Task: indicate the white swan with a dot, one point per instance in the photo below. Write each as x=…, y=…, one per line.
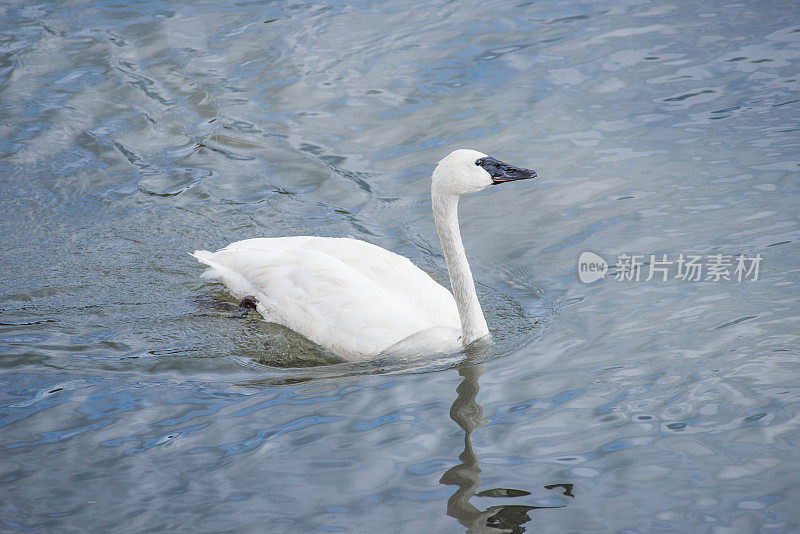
x=359, y=300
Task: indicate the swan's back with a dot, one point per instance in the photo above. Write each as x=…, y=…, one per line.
x=349, y=296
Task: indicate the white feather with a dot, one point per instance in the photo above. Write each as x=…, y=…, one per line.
x=352, y=297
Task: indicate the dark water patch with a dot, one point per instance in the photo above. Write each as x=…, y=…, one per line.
x=737, y=321
x=686, y=96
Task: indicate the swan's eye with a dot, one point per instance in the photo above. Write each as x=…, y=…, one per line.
x=479, y=162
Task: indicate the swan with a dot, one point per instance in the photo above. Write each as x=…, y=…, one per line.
x=359, y=300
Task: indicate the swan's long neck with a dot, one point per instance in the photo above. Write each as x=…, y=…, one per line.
x=445, y=213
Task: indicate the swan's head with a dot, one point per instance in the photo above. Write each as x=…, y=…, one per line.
x=464, y=171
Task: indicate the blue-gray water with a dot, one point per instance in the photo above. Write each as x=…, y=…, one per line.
x=134, y=400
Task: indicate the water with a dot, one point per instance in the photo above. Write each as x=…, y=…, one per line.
x=134, y=399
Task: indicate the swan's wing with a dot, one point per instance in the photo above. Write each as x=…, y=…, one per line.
x=350, y=296
x=393, y=273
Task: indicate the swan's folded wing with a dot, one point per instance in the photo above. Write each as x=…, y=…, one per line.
x=395, y=274
x=347, y=295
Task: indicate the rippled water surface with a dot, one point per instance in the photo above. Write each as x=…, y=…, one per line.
x=134, y=397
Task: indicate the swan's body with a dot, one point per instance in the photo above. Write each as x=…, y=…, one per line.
x=359, y=300
x=352, y=297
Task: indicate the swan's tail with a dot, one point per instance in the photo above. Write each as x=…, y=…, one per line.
x=233, y=280
x=214, y=270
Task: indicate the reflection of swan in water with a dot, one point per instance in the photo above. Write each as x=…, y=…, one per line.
x=501, y=518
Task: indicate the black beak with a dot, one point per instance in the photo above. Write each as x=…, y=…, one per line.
x=503, y=172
